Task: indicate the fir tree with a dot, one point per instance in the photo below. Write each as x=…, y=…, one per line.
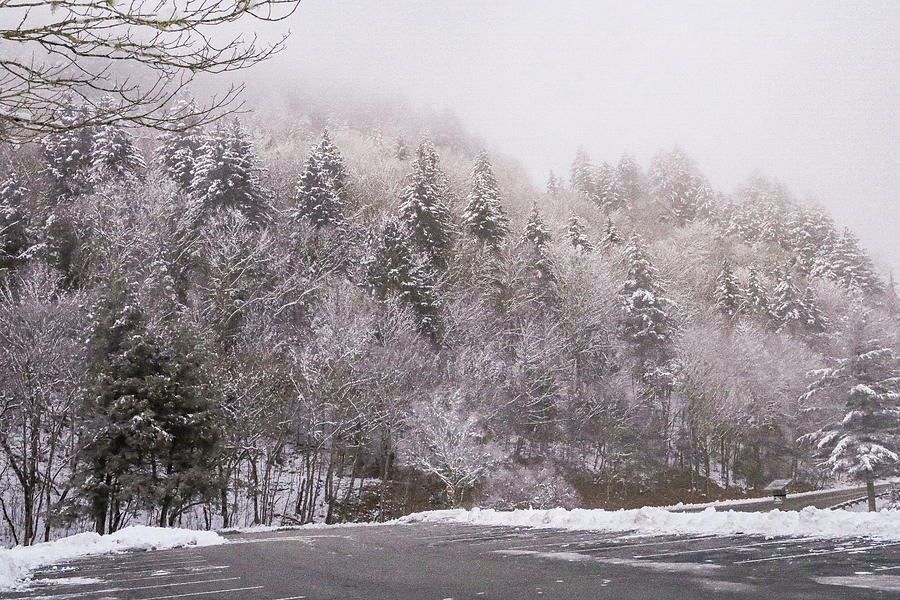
x=787, y=306
x=849, y=265
x=179, y=147
x=577, y=236
x=757, y=299
x=536, y=237
x=646, y=322
x=114, y=155
x=423, y=209
x=676, y=184
x=609, y=194
x=582, y=175
x=318, y=196
x=68, y=154
x=483, y=215
x=148, y=431
x=226, y=175
x=611, y=235
x=728, y=292
x=630, y=179
x=554, y=186
x=392, y=271
x=13, y=223
x=865, y=444
x=401, y=150
x=813, y=319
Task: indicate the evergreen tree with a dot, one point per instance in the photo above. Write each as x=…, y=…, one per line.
x=611, y=235
x=114, y=155
x=536, y=237
x=318, y=196
x=813, y=319
x=423, y=209
x=787, y=306
x=577, y=236
x=728, y=292
x=179, y=147
x=757, y=299
x=226, y=175
x=676, y=184
x=646, y=322
x=401, y=150
x=865, y=444
x=483, y=214
x=582, y=175
x=148, y=432
x=13, y=223
x=68, y=154
x=630, y=179
x=609, y=194
x=554, y=186
x=536, y=231
x=392, y=271
x=850, y=266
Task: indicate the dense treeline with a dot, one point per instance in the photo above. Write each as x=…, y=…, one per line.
x=333, y=322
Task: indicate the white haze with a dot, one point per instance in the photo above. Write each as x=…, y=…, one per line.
x=806, y=92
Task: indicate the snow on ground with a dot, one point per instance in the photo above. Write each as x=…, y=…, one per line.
x=809, y=522
x=16, y=563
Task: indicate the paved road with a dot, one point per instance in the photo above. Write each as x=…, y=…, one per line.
x=441, y=561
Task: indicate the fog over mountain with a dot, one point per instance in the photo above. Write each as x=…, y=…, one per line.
x=805, y=92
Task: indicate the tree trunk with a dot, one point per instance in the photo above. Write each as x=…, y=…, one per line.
x=870, y=491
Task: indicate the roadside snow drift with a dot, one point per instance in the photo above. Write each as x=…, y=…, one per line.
x=16, y=563
x=809, y=522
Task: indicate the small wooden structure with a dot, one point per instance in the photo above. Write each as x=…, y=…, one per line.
x=779, y=489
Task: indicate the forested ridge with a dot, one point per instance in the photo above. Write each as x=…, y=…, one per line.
x=319, y=315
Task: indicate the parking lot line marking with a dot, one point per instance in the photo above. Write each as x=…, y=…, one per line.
x=290, y=598
x=733, y=547
x=639, y=545
x=141, y=566
x=161, y=585
x=228, y=591
x=813, y=554
x=167, y=574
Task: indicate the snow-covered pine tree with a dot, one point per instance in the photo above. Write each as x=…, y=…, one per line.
x=554, y=186
x=401, y=150
x=68, y=153
x=583, y=176
x=729, y=296
x=865, y=444
x=850, y=266
x=113, y=153
x=226, y=175
x=333, y=165
x=536, y=237
x=609, y=194
x=179, y=147
x=757, y=298
x=577, y=237
x=483, y=215
x=393, y=271
x=423, y=207
x=646, y=323
x=814, y=319
x=675, y=183
x=630, y=179
x=13, y=223
x=611, y=235
x=318, y=196
x=787, y=306
x=810, y=236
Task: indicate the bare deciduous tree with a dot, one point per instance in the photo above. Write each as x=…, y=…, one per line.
x=142, y=53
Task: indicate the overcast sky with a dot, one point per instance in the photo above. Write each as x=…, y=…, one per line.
x=808, y=92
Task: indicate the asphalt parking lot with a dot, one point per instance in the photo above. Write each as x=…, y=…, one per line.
x=446, y=561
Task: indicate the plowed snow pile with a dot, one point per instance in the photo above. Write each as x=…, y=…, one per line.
x=16, y=563
x=882, y=525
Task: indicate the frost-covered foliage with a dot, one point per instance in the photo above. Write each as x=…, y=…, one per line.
x=538, y=487
x=194, y=342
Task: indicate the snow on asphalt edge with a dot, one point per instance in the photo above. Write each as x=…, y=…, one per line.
x=17, y=563
x=809, y=522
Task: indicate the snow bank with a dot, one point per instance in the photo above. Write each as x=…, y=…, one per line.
x=884, y=525
x=16, y=563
